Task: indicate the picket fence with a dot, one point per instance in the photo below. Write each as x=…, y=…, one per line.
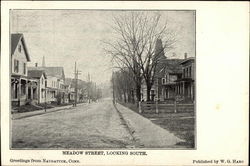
x=165, y=107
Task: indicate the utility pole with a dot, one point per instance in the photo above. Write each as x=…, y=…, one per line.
x=75, y=86
x=113, y=85
x=45, y=109
x=88, y=88
x=76, y=79
x=157, y=98
x=95, y=92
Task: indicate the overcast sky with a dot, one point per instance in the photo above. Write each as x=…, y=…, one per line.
x=66, y=36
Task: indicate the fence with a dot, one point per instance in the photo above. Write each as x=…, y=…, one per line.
x=165, y=107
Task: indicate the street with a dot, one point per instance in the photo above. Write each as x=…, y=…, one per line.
x=95, y=125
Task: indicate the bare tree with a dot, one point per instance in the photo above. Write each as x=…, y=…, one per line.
x=123, y=85
x=136, y=35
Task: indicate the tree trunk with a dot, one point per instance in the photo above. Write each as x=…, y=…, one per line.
x=148, y=93
x=138, y=93
x=149, y=86
x=129, y=96
x=133, y=97
x=125, y=98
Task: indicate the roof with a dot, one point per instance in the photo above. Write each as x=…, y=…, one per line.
x=185, y=79
x=171, y=66
x=187, y=60
x=36, y=73
x=15, y=39
x=51, y=71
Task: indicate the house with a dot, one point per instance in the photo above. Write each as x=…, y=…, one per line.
x=41, y=79
x=23, y=89
x=157, y=86
x=81, y=89
x=173, y=78
x=56, y=90
x=185, y=86
x=70, y=89
x=176, y=79
x=172, y=71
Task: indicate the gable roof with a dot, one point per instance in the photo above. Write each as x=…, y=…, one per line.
x=171, y=66
x=51, y=71
x=36, y=73
x=15, y=39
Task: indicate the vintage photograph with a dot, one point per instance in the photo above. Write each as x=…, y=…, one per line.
x=102, y=79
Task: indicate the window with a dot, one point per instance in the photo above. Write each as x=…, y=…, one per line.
x=42, y=81
x=24, y=68
x=163, y=80
x=16, y=66
x=20, y=48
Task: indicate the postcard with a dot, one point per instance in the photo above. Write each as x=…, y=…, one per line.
x=124, y=83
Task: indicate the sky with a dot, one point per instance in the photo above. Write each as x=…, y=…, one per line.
x=66, y=36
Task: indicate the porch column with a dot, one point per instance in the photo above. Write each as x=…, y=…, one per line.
x=26, y=89
x=19, y=92
x=177, y=88
x=183, y=90
x=191, y=91
x=14, y=91
x=31, y=91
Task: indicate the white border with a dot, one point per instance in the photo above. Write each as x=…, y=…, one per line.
x=222, y=58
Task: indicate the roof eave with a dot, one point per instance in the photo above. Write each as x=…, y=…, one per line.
x=25, y=48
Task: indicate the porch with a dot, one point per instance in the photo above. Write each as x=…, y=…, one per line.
x=23, y=90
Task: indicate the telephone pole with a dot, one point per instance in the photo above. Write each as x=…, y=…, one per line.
x=77, y=72
x=95, y=92
x=88, y=88
x=113, y=87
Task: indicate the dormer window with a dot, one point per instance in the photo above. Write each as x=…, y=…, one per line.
x=20, y=48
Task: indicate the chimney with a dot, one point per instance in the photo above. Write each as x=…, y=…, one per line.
x=36, y=65
x=185, y=55
x=43, y=63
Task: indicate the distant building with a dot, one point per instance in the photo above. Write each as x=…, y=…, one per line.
x=23, y=89
x=82, y=88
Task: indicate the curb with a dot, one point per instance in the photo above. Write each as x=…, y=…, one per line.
x=129, y=127
x=47, y=112
x=41, y=113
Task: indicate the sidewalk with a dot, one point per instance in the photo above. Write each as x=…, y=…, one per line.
x=145, y=132
x=40, y=112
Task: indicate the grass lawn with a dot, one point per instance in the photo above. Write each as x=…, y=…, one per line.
x=29, y=107
x=180, y=124
x=26, y=108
